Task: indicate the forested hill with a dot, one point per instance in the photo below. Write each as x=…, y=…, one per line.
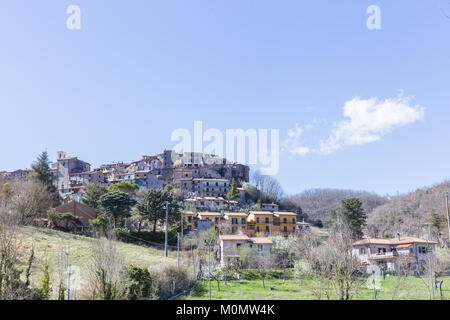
x=317, y=203
x=407, y=213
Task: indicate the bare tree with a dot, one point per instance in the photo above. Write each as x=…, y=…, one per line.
x=29, y=200
x=440, y=264
x=332, y=264
x=106, y=268
x=269, y=187
x=402, y=272
x=263, y=263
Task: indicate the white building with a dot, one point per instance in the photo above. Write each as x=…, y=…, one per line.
x=230, y=246
x=384, y=253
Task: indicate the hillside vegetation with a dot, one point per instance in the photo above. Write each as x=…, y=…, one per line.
x=53, y=246
x=407, y=213
x=317, y=203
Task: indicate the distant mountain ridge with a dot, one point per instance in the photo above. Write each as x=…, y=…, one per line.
x=317, y=203
x=407, y=213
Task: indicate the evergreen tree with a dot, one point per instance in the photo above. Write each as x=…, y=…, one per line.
x=123, y=186
x=41, y=173
x=354, y=213
x=116, y=205
x=233, y=193
x=153, y=206
x=41, y=170
x=93, y=193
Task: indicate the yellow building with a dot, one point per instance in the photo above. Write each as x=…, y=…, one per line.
x=285, y=223
x=189, y=224
x=213, y=217
x=260, y=222
x=238, y=221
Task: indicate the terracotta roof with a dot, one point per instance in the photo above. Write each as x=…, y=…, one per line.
x=77, y=209
x=261, y=212
x=260, y=240
x=209, y=214
x=285, y=213
x=235, y=214
x=394, y=241
x=233, y=237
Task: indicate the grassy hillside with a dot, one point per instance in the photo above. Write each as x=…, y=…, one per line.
x=51, y=244
x=406, y=213
x=413, y=288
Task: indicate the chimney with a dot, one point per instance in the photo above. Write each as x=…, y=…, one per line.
x=398, y=236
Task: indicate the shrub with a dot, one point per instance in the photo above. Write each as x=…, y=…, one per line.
x=139, y=283
x=172, y=280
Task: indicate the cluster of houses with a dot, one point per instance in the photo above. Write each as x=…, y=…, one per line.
x=204, y=181
x=252, y=223
x=198, y=176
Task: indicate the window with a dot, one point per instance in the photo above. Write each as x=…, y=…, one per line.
x=293, y=220
x=257, y=229
x=234, y=221
x=284, y=220
x=243, y=220
x=267, y=220
x=381, y=250
x=285, y=229
x=362, y=250
x=267, y=229
x=257, y=220
x=422, y=250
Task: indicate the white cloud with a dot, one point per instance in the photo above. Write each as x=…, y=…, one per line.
x=365, y=121
x=293, y=143
x=368, y=120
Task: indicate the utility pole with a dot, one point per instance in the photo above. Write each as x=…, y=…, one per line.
x=182, y=220
x=209, y=269
x=430, y=262
x=208, y=242
x=448, y=218
x=178, y=249
x=69, y=272
x=167, y=229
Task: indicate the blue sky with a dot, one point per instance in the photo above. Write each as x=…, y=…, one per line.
x=137, y=70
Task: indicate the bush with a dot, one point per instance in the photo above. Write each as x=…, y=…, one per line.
x=172, y=280
x=139, y=283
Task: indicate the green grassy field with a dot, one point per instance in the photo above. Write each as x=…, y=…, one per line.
x=411, y=288
x=49, y=244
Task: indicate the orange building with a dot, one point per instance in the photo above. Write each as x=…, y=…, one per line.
x=285, y=223
x=260, y=222
x=238, y=221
